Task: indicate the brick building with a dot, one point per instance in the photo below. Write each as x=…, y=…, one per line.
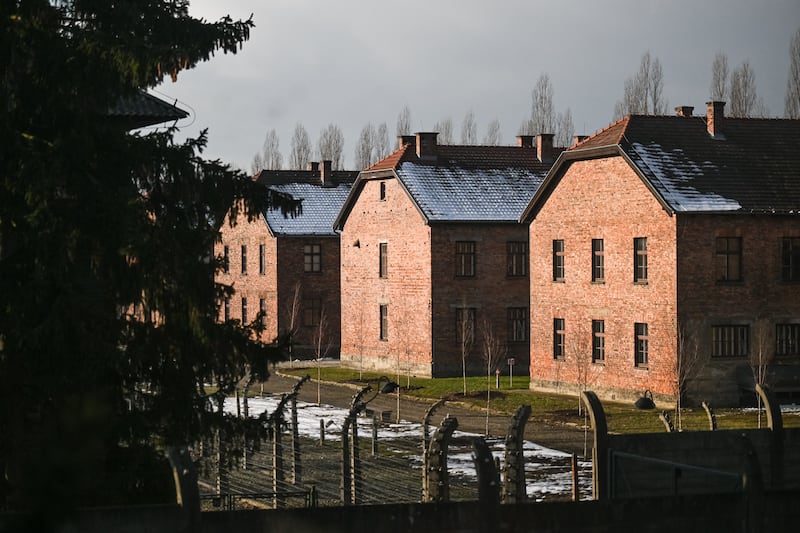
x=432, y=250
x=287, y=268
x=669, y=246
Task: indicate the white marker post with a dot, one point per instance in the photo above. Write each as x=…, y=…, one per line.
x=511, y=361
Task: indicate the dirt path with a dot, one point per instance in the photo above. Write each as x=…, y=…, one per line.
x=559, y=437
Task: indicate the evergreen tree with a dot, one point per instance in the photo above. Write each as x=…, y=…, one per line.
x=108, y=312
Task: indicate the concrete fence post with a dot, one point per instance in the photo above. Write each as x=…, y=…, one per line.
x=438, y=479
x=600, y=451
x=514, y=489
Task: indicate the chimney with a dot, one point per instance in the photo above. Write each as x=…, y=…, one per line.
x=426, y=145
x=544, y=147
x=402, y=140
x=326, y=174
x=684, y=110
x=525, y=141
x=715, y=119
x=313, y=166
x=577, y=139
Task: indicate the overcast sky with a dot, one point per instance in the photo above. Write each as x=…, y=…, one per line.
x=349, y=62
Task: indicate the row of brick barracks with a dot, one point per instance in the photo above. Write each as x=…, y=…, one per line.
x=660, y=254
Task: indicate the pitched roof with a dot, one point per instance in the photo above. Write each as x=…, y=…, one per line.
x=143, y=109
x=753, y=167
x=320, y=203
x=467, y=183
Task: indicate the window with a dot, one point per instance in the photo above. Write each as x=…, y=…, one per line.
x=244, y=259
x=312, y=310
x=558, y=338
x=465, y=325
x=262, y=259
x=517, y=324
x=383, y=252
x=598, y=261
x=730, y=341
x=787, y=339
x=729, y=259
x=791, y=259
x=598, y=341
x=383, y=191
x=244, y=310
x=262, y=310
x=312, y=258
x=558, y=260
x=226, y=259
x=640, y=349
x=227, y=308
x=517, y=258
x=465, y=258
x=384, y=325
x=640, y=260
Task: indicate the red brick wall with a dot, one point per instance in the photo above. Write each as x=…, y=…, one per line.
x=760, y=300
x=603, y=199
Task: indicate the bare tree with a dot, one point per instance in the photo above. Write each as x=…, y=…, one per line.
x=301, y=148
x=760, y=357
x=257, y=165
x=465, y=336
x=792, y=103
x=743, y=91
x=687, y=364
x=445, y=129
x=543, y=113
x=644, y=92
x=269, y=158
x=579, y=350
x=565, y=129
x=469, y=129
x=494, y=351
x=365, y=148
x=381, y=143
x=404, y=121
x=331, y=146
x=719, y=78
x=322, y=346
x=293, y=312
x=493, y=135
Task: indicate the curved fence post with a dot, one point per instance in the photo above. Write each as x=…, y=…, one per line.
x=600, y=449
x=514, y=468
x=187, y=495
x=775, y=424
x=426, y=441
x=712, y=418
x=438, y=478
x=488, y=483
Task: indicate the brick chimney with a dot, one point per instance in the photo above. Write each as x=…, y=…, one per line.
x=525, y=141
x=313, y=166
x=577, y=139
x=715, y=119
x=325, y=173
x=544, y=147
x=684, y=110
x=402, y=140
x=426, y=144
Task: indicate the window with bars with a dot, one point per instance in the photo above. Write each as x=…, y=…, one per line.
x=384, y=322
x=244, y=259
x=730, y=341
x=787, y=339
x=383, y=250
x=517, y=258
x=598, y=261
x=558, y=338
x=558, y=260
x=312, y=258
x=641, y=345
x=598, y=341
x=465, y=258
x=517, y=324
x=729, y=258
x=640, y=260
x=790, y=259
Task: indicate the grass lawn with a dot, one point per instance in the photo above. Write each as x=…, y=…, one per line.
x=621, y=417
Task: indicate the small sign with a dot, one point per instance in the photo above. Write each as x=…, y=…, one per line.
x=511, y=361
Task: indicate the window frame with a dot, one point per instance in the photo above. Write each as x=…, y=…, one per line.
x=787, y=339
x=598, y=261
x=517, y=324
x=465, y=259
x=472, y=320
x=383, y=324
x=382, y=191
x=728, y=259
x=729, y=341
x=559, y=339
x=598, y=342
x=262, y=259
x=641, y=345
x=312, y=258
x=790, y=259
x=640, y=263
x=244, y=310
x=559, y=263
x=516, y=259
x=312, y=312
x=226, y=308
x=226, y=259
x=262, y=310
x=244, y=260
x=383, y=260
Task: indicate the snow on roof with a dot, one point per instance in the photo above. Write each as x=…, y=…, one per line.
x=457, y=194
x=320, y=206
x=672, y=174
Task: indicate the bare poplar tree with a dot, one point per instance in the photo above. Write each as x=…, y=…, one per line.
x=543, y=114
x=579, y=350
x=687, y=364
x=445, y=130
x=365, y=149
x=270, y=157
x=743, y=91
x=322, y=346
x=331, y=146
x=381, y=143
x=293, y=311
x=404, y=121
x=465, y=332
x=565, y=129
x=494, y=351
x=719, y=78
x=792, y=103
x=301, y=148
x=760, y=357
x=257, y=165
x=493, y=135
x=469, y=129
x=644, y=92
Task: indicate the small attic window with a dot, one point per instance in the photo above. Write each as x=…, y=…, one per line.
x=383, y=191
